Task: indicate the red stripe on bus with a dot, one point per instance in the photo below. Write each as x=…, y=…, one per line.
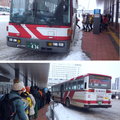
x=22, y=32
x=84, y=101
x=90, y=102
x=108, y=91
x=33, y=29
x=90, y=90
x=65, y=95
x=106, y=102
x=71, y=94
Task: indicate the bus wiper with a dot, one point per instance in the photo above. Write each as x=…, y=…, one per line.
x=18, y=20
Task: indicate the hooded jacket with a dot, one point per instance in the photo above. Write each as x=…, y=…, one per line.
x=19, y=106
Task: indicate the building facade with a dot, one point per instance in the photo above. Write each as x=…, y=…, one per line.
x=117, y=83
x=5, y=3
x=60, y=72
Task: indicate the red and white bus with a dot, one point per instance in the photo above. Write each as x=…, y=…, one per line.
x=87, y=91
x=43, y=25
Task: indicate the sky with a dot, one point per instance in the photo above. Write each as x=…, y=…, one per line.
x=87, y=4
x=111, y=68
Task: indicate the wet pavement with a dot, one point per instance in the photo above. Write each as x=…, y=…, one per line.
x=99, y=46
x=42, y=113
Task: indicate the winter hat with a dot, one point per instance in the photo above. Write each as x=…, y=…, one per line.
x=18, y=86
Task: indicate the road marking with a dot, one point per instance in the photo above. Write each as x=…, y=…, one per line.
x=117, y=40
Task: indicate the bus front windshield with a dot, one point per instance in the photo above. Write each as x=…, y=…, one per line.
x=100, y=82
x=45, y=12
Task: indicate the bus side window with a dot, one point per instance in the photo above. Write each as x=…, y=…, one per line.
x=69, y=86
x=74, y=86
x=65, y=87
x=80, y=85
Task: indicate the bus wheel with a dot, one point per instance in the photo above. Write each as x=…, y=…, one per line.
x=67, y=102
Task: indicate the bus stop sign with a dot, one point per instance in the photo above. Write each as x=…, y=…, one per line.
x=97, y=21
x=97, y=11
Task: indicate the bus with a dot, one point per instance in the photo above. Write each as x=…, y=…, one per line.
x=85, y=91
x=42, y=25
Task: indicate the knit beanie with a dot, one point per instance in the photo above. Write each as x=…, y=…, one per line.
x=18, y=86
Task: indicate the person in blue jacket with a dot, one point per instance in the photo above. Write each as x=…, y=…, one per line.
x=17, y=89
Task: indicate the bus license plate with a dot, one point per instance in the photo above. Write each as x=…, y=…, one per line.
x=99, y=102
x=33, y=45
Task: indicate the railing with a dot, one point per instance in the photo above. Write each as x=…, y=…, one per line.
x=52, y=115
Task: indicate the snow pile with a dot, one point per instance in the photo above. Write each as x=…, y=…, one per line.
x=4, y=18
x=64, y=113
x=76, y=52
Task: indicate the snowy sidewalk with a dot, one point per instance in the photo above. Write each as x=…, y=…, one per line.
x=64, y=113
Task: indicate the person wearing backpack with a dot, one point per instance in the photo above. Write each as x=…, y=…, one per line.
x=32, y=106
x=11, y=105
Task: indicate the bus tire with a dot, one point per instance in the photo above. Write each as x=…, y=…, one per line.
x=67, y=102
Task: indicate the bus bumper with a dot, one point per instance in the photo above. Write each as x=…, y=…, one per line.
x=39, y=45
x=97, y=106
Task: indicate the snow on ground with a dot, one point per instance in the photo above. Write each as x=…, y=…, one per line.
x=4, y=18
x=76, y=52
x=64, y=113
x=9, y=53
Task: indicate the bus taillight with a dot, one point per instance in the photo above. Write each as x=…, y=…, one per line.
x=91, y=90
x=108, y=91
x=109, y=102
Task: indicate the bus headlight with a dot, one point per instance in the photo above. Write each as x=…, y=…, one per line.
x=14, y=40
x=61, y=44
x=55, y=44
x=10, y=39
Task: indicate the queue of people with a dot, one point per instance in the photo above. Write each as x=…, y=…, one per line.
x=23, y=103
x=105, y=21
x=88, y=20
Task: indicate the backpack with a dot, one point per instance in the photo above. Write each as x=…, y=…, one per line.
x=7, y=109
x=27, y=99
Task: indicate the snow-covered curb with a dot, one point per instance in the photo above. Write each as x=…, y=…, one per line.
x=63, y=113
x=76, y=52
